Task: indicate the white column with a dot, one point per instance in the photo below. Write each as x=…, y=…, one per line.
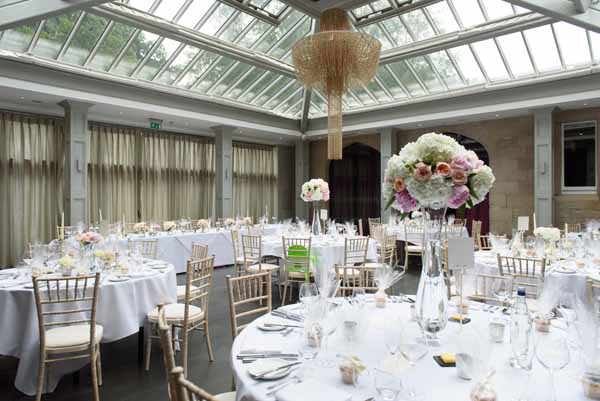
x=301, y=175
x=76, y=160
x=543, y=169
x=387, y=147
x=223, y=171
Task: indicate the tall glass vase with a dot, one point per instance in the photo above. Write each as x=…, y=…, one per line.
x=316, y=221
x=432, y=297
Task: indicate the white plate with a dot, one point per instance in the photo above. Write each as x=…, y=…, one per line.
x=261, y=365
x=115, y=279
x=270, y=328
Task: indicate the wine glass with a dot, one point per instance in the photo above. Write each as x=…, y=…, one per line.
x=358, y=296
x=392, y=336
x=307, y=293
x=566, y=308
x=387, y=385
x=413, y=346
x=310, y=345
x=502, y=289
x=552, y=352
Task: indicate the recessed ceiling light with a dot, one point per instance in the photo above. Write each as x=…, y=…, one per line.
x=585, y=104
x=21, y=97
x=497, y=115
x=121, y=113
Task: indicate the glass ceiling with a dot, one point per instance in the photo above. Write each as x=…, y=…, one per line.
x=92, y=41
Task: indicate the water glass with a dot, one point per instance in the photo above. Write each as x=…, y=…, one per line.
x=387, y=385
x=552, y=352
x=307, y=292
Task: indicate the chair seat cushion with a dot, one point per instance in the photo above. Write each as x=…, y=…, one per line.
x=372, y=265
x=181, y=290
x=262, y=267
x=174, y=313
x=297, y=274
x=414, y=248
x=239, y=261
x=350, y=273
x=71, y=336
x=226, y=396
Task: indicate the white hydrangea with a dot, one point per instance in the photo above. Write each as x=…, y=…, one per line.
x=549, y=234
x=409, y=154
x=435, y=191
x=435, y=148
x=481, y=182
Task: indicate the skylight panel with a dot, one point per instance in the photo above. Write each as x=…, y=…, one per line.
x=573, y=44
x=53, y=35
x=286, y=43
x=290, y=101
x=274, y=7
x=158, y=58
x=497, y=9
x=390, y=82
x=230, y=77
x=467, y=64
x=274, y=35
x=266, y=93
x=213, y=74
x=280, y=96
x=111, y=46
x=442, y=17
x=169, y=8
x=407, y=78
x=397, y=31
x=514, y=49
x=19, y=38
x=490, y=58
x=362, y=11
x=237, y=26
x=143, y=5
x=543, y=48
x=203, y=62
x=417, y=23
x=379, y=92
x=216, y=20
x=363, y=96
x=184, y=57
x=84, y=39
x=240, y=86
x=194, y=13
x=446, y=69
x=376, y=31
x=595, y=42
x=252, y=35
x=424, y=72
x=264, y=83
x=469, y=12
x=136, y=51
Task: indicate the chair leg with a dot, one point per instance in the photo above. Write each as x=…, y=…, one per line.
x=405, y=260
x=99, y=365
x=148, y=343
x=40, y=379
x=208, y=344
x=184, y=350
x=285, y=287
x=96, y=395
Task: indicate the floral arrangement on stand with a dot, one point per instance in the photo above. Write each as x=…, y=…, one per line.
x=88, y=238
x=435, y=172
x=228, y=222
x=141, y=227
x=548, y=234
x=203, y=224
x=247, y=221
x=314, y=191
x=169, y=225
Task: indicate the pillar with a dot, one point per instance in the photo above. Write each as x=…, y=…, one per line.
x=301, y=176
x=223, y=171
x=387, y=147
x=543, y=180
x=76, y=161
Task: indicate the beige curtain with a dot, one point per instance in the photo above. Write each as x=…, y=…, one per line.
x=254, y=179
x=177, y=176
x=112, y=173
x=31, y=182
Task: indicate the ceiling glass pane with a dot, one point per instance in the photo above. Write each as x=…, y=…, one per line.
x=253, y=34
x=595, y=40
x=286, y=44
x=84, y=39
x=543, y=48
x=350, y=102
x=213, y=74
x=317, y=104
x=363, y=96
x=111, y=46
x=181, y=61
x=418, y=24
x=497, y=9
x=200, y=66
x=426, y=74
x=160, y=56
x=289, y=102
x=294, y=112
x=490, y=58
x=467, y=64
x=18, y=39
x=53, y=35
x=573, y=44
x=270, y=38
x=442, y=17
x=231, y=77
x=469, y=12
x=375, y=31
x=516, y=54
x=168, y=9
x=265, y=82
x=217, y=19
x=271, y=98
x=237, y=25
x=407, y=78
x=390, y=83
x=143, y=5
x=136, y=51
x=235, y=91
x=446, y=69
x=379, y=93
x=362, y=11
x=380, y=5
x=195, y=12
x=397, y=31
x=274, y=7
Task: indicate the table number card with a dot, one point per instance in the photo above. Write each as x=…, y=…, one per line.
x=523, y=223
x=461, y=254
x=324, y=214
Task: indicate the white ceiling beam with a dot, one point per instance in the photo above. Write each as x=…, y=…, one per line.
x=471, y=35
x=394, y=11
x=14, y=13
x=576, y=12
x=245, y=8
x=167, y=29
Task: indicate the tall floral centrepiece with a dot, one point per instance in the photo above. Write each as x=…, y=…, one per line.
x=433, y=174
x=315, y=191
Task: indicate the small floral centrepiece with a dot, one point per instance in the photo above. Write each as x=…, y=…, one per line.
x=247, y=221
x=66, y=265
x=435, y=171
x=548, y=234
x=228, y=222
x=315, y=190
x=203, y=224
x=88, y=238
x=141, y=227
x=169, y=225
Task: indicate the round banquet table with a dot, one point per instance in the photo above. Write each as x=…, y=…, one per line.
x=435, y=382
x=121, y=310
x=417, y=237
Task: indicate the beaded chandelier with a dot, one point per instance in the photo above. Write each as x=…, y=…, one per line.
x=333, y=61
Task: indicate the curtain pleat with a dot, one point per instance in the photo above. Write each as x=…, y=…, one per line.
x=31, y=178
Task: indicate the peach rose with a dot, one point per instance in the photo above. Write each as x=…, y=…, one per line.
x=399, y=185
x=422, y=172
x=459, y=177
x=443, y=169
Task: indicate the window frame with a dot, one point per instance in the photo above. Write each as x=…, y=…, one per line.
x=578, y=190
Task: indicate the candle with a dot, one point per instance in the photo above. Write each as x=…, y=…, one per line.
x=534, y=222
x=62, y=219
x=100, y=213
x=566, y=229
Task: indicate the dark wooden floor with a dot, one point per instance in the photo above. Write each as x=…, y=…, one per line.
x=124, y=377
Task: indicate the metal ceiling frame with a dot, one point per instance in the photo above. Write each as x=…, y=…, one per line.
x=576, y=12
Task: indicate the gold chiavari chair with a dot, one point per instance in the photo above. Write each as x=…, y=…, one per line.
x=459, y=222
x=237, y=255
x=64, y=232
x=483, y=243
x=66, y=309
x=449, y=277
x=148, y=248
x=188, y=391
x=350, y=278
x=253, y=257
x=373, y=220
x=593, y=290
x=386, y=252
x=166, y=341
x=454, y=230
x=296, y=256
x=255, y=229
x=190, y=315
x=476, y=231
x=410, y=248
x=526, y=272
x=128, y=228
x=355, y=250
x=249, y=295
x=360, y=228
x=199, y=251
x=377, y=231
x=573, y=227
x=483, y=286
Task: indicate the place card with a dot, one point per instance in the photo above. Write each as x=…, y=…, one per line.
x=324, y=214
x=523, y=223
x=461, y=254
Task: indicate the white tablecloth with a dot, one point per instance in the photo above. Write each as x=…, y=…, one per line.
x=417, y=238
x=176, y=248
x=122, y=309
x=435, y=382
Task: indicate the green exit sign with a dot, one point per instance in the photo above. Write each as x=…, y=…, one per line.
x=154, y=124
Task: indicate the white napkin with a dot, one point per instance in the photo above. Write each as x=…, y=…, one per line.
x=13, y=282
x=313, y=391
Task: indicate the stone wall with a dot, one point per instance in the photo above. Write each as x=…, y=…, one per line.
x=509, y=143
x=285, y=182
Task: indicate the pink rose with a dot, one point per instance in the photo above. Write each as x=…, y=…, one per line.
x=422, y=172
x=462, y=162
x=407, y=203
x=460, y=196
x=389, y=179
x=478, y=164
x=399, y=185
x=459, y=177
x=443, y=169
x=325, y=196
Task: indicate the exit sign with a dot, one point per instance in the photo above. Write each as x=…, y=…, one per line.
x=155, y=124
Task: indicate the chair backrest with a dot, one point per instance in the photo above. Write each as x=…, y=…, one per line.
x=199, y=251
x=235, y=241
x=198, y=282
x=377, y=231
x=256, y=229
x=373, y=220
x=593, y=290
x=573, y=227
x=64, y=232
x=166, y=342
x=388, y=248
x=355, y=250
x=527, y=272
x=252, y=249
x=186, y=390
x=66, y=301
x=360, y=227
x=484, y=243
x=483, y=286
x=249, y=295
x=148, y=248
x=296, y=255
x=459, y=222
x=350, y=277
x=454, y=229
x=476, y=229
x=128, y=228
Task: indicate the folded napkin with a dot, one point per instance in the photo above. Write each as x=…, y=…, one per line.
x=312, y=390
x=13, y=282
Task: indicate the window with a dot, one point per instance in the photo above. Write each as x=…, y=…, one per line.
x=579, y=157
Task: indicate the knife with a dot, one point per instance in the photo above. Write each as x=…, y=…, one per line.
x=287, y=365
